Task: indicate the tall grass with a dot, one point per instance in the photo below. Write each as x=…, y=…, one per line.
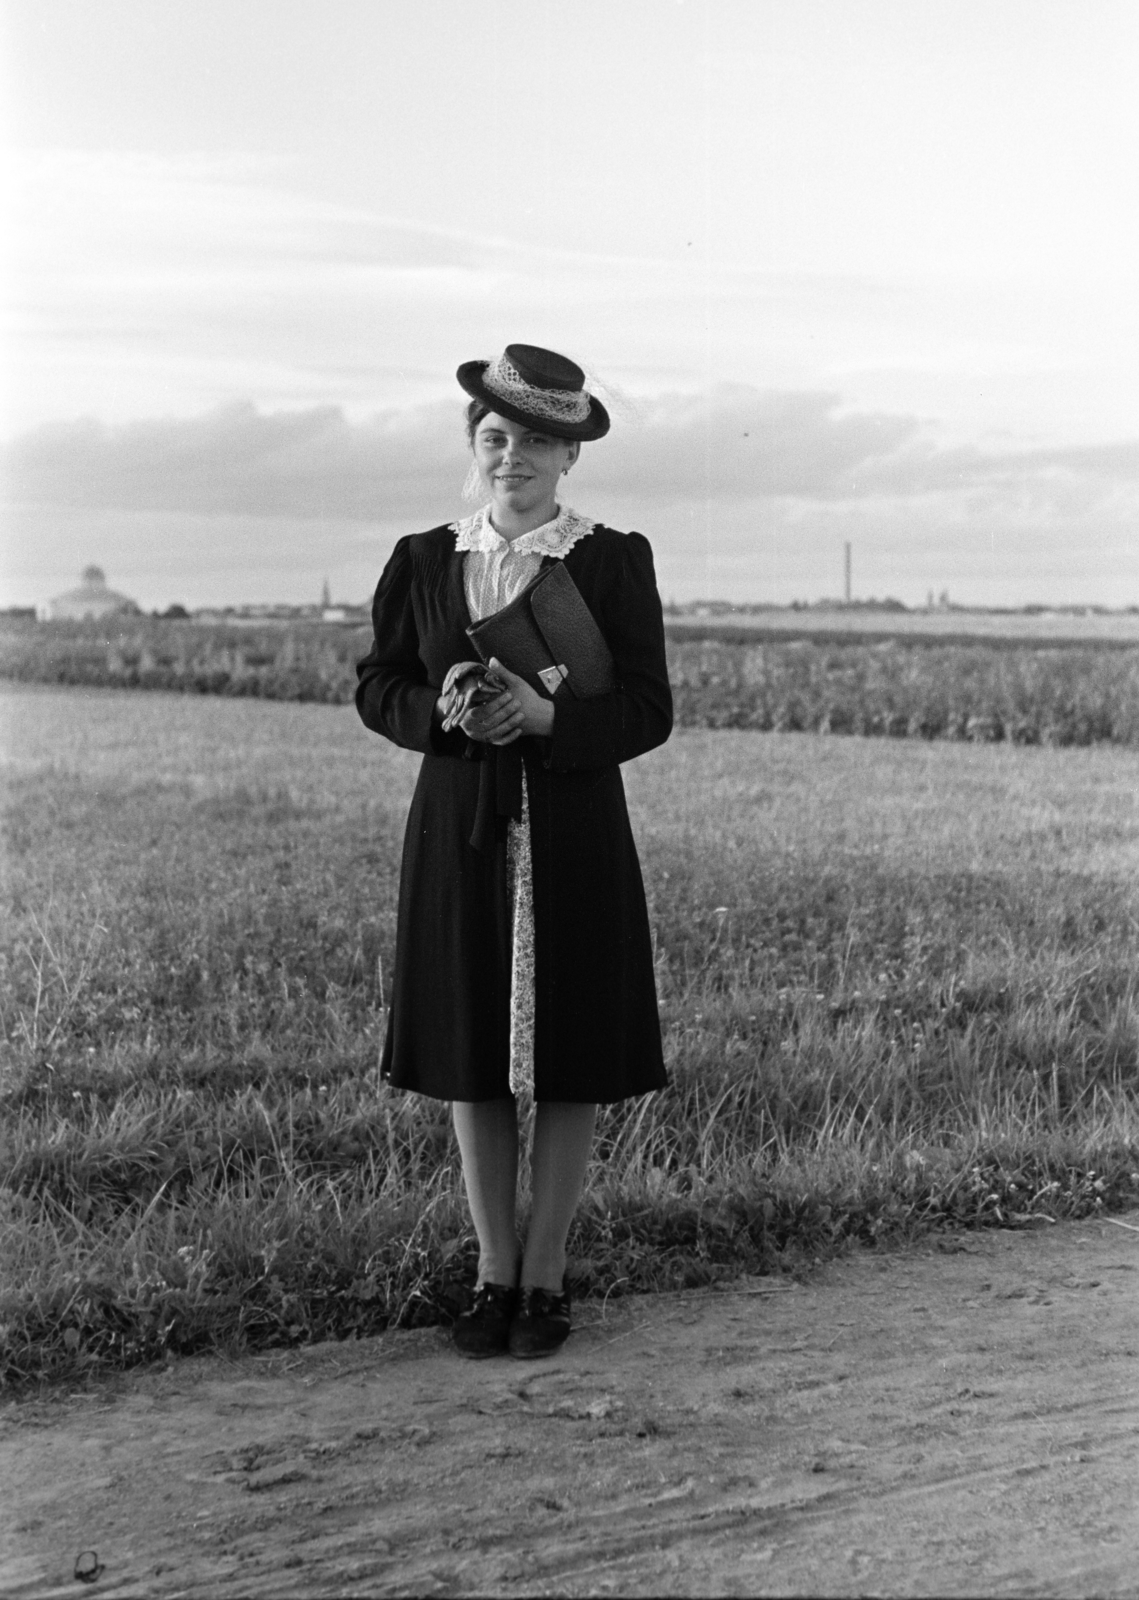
x=898, y=988
x=982, y=693
x=909, y=687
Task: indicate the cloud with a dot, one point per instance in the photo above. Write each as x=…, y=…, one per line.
x=730, y=445
x=146, y=283
x=735, y=442
x=238, y=460
x=143, y=283
x=1047, y=478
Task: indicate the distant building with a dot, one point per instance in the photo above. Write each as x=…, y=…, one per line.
x=91, y=601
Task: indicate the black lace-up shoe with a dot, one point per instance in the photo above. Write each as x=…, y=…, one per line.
x=541, y=1324
x=483, y=1329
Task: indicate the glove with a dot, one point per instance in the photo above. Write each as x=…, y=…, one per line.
x=467, y=684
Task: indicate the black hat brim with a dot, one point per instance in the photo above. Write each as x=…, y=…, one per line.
x=595, y=426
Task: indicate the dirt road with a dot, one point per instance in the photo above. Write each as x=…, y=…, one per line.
x=956, y=1420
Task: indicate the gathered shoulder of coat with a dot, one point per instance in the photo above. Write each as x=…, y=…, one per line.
x=597, y=1032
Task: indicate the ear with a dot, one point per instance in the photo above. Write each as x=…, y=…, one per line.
x=574, y=452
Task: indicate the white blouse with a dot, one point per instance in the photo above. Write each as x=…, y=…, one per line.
x=497, y=570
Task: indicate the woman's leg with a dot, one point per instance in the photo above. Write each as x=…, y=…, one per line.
x=563, y=1135
x=487, y=1131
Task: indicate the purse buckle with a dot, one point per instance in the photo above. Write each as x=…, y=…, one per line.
x=553, y=678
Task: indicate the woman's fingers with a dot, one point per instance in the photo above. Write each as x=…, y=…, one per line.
x=503, y=673
x=500, y=712
x=498, y=718
x=500, y=706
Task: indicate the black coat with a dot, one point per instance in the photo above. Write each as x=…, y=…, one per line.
x=597, y=1032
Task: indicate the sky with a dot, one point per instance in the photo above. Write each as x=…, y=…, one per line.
x=844, y=271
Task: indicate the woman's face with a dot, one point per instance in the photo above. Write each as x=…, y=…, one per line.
x=519, y=465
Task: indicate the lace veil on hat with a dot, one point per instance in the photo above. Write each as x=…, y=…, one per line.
x=537, y=387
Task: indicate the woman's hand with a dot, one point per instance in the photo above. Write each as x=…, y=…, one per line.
x=537, y=713
x=497, y=721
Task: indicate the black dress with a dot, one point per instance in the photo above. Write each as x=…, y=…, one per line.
x=597, y=1031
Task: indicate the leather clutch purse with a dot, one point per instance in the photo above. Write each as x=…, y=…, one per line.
x=548, y=636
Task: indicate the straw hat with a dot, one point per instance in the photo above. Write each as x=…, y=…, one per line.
x=530, y=385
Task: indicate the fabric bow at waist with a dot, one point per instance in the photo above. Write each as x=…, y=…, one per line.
x=500, y=792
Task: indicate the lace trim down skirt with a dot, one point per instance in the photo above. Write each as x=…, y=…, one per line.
x=520, y=889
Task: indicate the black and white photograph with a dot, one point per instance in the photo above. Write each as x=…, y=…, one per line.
x=569, y=833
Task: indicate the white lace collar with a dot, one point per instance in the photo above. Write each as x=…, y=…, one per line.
x=554, y=538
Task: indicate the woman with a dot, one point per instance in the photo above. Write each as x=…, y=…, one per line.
x=523, y=952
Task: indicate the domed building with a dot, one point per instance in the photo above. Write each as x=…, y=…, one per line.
x=91, y=601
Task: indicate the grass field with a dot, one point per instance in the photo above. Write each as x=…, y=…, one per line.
x=898, y=984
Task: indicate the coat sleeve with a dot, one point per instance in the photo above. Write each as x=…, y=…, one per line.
x=611, y=728
x=393, y=695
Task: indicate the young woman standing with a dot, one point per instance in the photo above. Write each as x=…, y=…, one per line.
x=524, y=958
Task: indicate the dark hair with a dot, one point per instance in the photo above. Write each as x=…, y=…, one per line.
x=476, y=411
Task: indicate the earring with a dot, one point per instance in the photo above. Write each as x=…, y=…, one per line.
x=472, y=490
x=565, y=472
